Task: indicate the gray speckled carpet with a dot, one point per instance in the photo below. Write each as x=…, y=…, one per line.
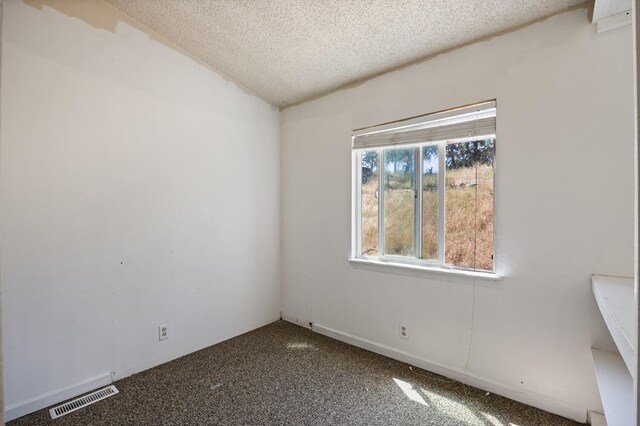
x=284, y=374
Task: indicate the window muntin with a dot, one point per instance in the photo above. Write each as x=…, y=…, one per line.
x=450, y=221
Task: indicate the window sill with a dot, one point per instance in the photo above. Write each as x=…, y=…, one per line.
x=439, y=273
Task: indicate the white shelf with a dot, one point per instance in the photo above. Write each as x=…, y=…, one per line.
x=616, y=301
x=616, y=388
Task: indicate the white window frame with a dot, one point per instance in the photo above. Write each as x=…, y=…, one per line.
x=415, y=263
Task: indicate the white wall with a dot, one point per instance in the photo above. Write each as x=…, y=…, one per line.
x=138, y=186
x=564, y=196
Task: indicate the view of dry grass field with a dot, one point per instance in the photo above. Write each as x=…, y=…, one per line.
x=468, y=216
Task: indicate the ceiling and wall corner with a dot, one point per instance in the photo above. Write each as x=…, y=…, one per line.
x=288, y=51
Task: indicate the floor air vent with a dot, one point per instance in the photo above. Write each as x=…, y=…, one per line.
x=82, y=402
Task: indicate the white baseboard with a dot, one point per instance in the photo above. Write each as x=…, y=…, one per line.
x=25, y=407
x=297, y=321
x=130, y=370
x=542, y=402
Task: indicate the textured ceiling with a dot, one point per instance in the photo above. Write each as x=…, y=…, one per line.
x=287, y=51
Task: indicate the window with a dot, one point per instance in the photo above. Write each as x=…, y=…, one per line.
x=424, y=190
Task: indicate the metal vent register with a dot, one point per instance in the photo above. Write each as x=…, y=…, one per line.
x=82, y=402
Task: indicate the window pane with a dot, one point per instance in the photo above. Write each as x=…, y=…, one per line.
x=399, y=201
x=430, y=202
x=484, y=222
x=369, y=208
x=469, y=204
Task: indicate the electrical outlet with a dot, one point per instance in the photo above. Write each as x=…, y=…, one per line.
x=404, y=331
x=163, y=331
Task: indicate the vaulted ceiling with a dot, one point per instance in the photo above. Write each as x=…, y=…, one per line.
x=287, y=51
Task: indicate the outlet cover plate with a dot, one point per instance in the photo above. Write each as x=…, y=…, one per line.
x=163, y=331
x=403, y=330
